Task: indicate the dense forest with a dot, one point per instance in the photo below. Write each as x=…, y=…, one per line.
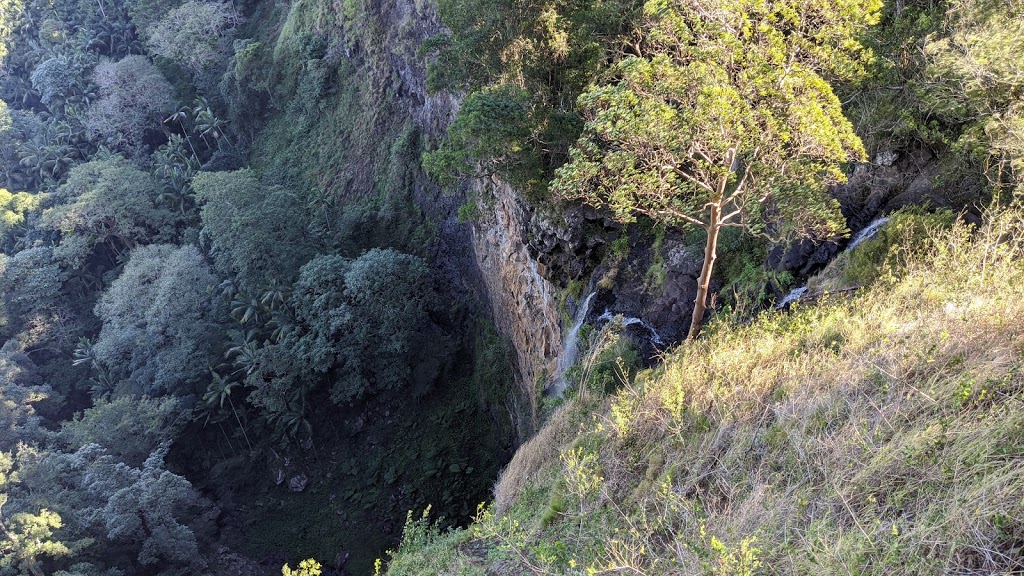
x=500, y=287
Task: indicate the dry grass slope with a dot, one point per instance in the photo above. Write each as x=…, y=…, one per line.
x=877, y=434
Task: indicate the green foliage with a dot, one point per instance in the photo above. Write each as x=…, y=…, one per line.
x=729, y=111
x=10, y=12
x=30, y=282
x=142, y=515
x=55, y=79
x=14, y=207
x=909, y=233
x=159, y=322
x=425, y=547
x=359, y=319
x=245, y=86
x=307, y=567
x=20, y=391
x=972, y=80
x=145, y=511
x=257, y=232
x=524, y=65
x=130, y=429
x=196, y=35
x=109, y=203
x=134, y=98
x=490, y=136
x=25, y=537
x=741, y=268
x=29, y=537
x=612, y=362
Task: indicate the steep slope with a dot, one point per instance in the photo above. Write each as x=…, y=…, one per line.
x=872, y=434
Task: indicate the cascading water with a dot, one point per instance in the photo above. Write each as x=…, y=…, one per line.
x=630, y=321
x=869, y=231
x=570, y=347
x=793, y=296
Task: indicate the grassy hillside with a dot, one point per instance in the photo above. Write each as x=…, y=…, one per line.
x=875, y=433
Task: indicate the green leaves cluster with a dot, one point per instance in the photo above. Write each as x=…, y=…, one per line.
x=160, y=321
x=523, y=65
x=108, y=203
x=355, y=325
x=728, y=106
x=973, y=80
x=257, y=231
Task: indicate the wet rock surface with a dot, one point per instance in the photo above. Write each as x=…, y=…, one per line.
x=891, y=180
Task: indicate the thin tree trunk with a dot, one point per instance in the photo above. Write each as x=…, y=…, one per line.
x=237, y=419
x=704, y=282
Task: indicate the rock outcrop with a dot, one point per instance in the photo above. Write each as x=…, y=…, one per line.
x=892, y=180
x=522, y=300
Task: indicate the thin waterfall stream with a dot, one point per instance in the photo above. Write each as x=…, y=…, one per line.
x=570, y=347
x=867, y=232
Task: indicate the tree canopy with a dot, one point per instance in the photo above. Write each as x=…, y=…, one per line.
x=724, y=119
x=111, y=203
x=257, y=232
x=159, y=321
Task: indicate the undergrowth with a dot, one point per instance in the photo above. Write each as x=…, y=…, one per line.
x=877, y=433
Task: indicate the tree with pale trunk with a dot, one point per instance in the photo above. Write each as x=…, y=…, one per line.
x=724, y=118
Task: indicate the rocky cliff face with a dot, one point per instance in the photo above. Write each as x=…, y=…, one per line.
x=522, y=300
x=387, y=47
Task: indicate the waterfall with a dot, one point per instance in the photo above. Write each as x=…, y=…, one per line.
x=630, y=321
x=793, y=295
x=570, y=347
x=867, y=232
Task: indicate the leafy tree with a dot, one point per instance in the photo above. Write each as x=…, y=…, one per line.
x=148, y=510
x=108, y=202
x=159, y=319
x=39, y=149
x=5, y=117
x=971, y=83
x=89, y=569
x=523, y=64
x=133, y=100
x=359, y=318
x=28, y=537
x=726, y=120
x=308, y=567
x=490, y=136
x=354, y=324
x=25, y=537
x=129, y=428
x=30, y=282
x=55, y=79
x=14, y=208
x=245, y=87
x=10, y=12
x=20, y=390
x=257, y=232
x=197, y=36
x=219, y=391
x=143, y=513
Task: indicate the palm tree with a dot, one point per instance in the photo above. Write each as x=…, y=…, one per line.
x=207, y=123
x=244, y=308
x=288, y=423
x=244, y=352
x=218, y=391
